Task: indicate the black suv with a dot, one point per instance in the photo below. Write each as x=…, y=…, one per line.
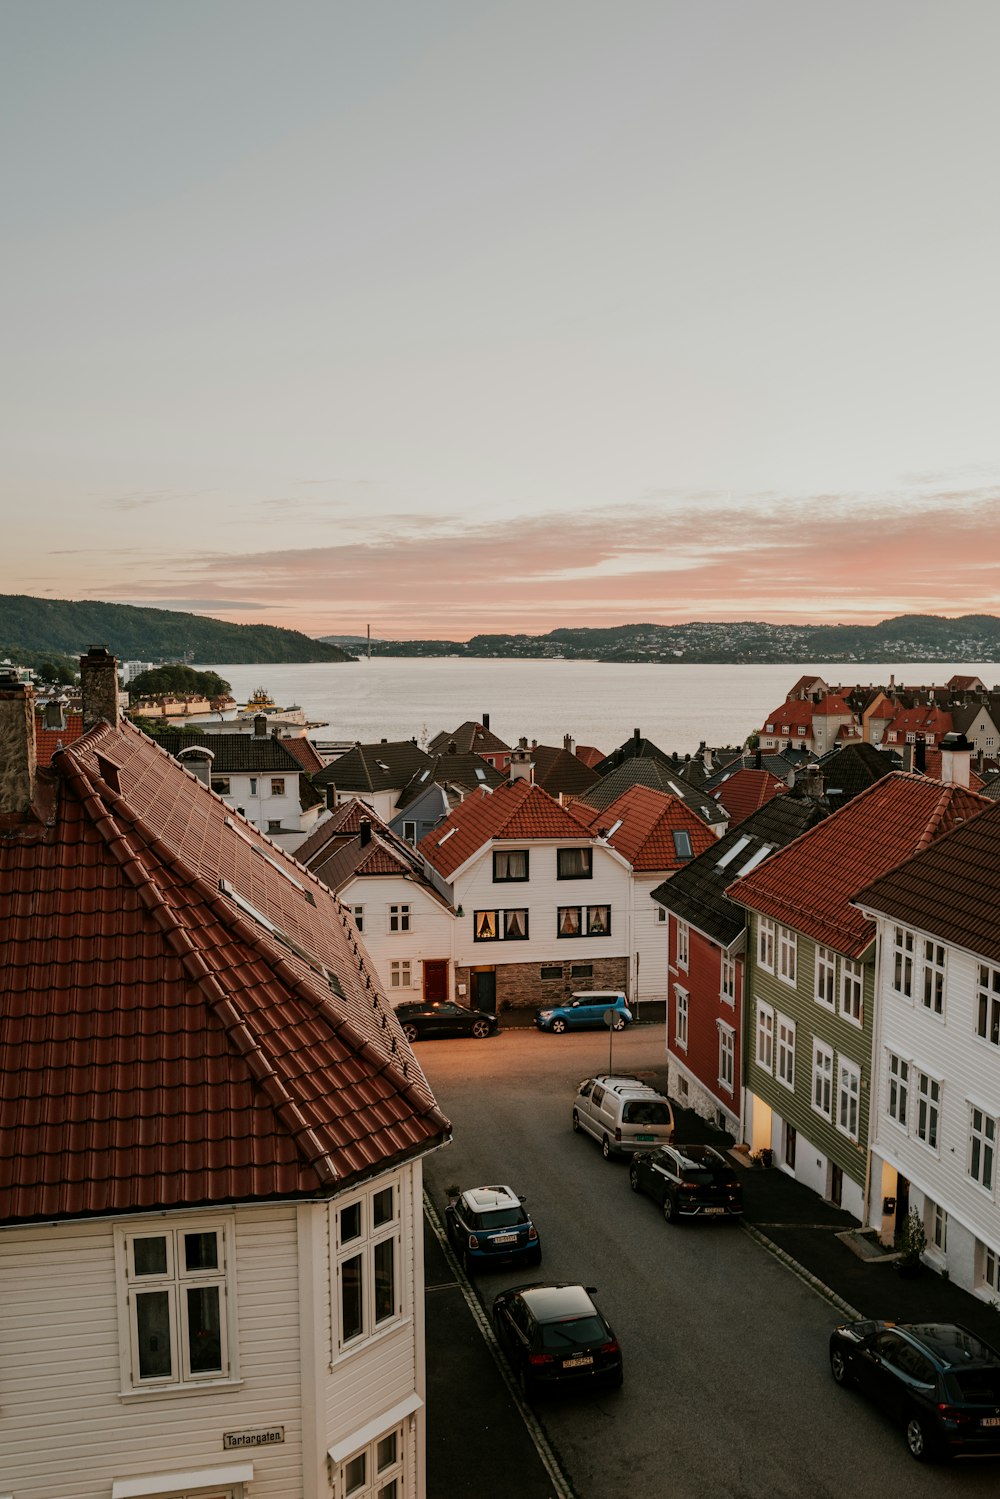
x=688, y=1181
x=939, y=1381
x=554, y=1337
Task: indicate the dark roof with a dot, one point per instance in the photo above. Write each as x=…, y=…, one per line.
x=450, y=769
x=659, y=775
x=780, y=765
x=374, y=767
x=950, y=890
x=697, y=892
x=561, y=773
x=343, y=824
x=186, y=1016
x=469, y=738
x=382, y=854
x=636, y=748
x=851, y=770
x=236, y=754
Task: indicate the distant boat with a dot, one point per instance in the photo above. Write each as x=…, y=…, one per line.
x=261, y=701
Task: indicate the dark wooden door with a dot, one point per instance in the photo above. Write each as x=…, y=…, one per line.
x=435, y=980
x=484, y=990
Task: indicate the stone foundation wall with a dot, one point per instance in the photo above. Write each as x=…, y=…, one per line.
x=520, y=986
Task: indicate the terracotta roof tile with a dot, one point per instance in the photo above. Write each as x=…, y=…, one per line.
x=746, y=790
x=48, y=741
x=646, y=822
x=516, y=810
x=303, y=750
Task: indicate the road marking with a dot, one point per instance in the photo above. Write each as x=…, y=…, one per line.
x=562, y=1488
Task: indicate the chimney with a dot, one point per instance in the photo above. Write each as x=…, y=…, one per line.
x=486, y=722
x=99, y=686
x=706, y=756
x=365, y=831
x=758, y=760
x=636, y=740
x=813, y=782
x=53, y=716
x=568, y=744
x=260, y=726
x=920, y=754
x=198, y=759
x=907, y=756
x=331, y=797
x=452, y=747
x=522, y=766
x=956, y=760
x=17, y=744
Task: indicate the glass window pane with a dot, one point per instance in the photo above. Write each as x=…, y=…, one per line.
x=351, y=1304
x=149, y=1256
x=350, y=1223
x=388, y=1490
x=385, y=1453
x=354, y=1473
x=152, y=1318
x=204, y=1330
x=385, y=1288
x=383, y=1208
x=201, y=1251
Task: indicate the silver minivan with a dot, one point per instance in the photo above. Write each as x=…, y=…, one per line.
x=623, y=1113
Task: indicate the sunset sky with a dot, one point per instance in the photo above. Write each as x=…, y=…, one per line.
x=452, y=316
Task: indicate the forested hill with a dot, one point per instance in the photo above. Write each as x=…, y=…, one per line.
x=909, y=637
x=131, y=633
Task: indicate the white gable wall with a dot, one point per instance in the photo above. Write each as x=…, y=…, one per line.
x=431, y=932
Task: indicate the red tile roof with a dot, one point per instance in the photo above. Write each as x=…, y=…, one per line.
x=747, y=790
x=590, y=755
x=343, y=823
x=797, y=713
x=305, y=752
x=810, y=884
x=920, y=720
x=517, y=810
x=47, y=741
x=160, y=1044
x=647, y=820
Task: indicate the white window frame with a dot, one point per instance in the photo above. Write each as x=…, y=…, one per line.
x=981, y=1162
x=360, y=1477
x=933, y=977
x=788, y=956
x=765, y=944
x=825, y=990
x=683, y=947
x=727, y=980
x=852, y=991
x=903, y=955
x=400, y=973
x=988, y=1004
x=988, y=1268
x=927, y=1122
x=727, y=1056
x=848, y=1120
x=785, y=1068
x=681, y=1017
x=398, y=917
x=764, y=1052
x=358, y=912
x=366, y=1246
x=897, y=1089
x=662, y=915
x=174, y=1281
x=822, y=1079
x=937, y=1227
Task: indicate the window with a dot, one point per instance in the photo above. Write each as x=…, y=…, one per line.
x=499, y=926
x=822, y=1093
x=787, y=955
x=177, y=1300
x=568, y=922
x=786, y=1051
x=274, y=825
x=581, y=970
x=938, y=1226
x=662, y=914
x=681, y=1029
x=928, y=1109
x=727, y=983
x=376, y=1472
x=765, y=943
x=510, y=864
x=400, y=974
x=574, y=863
x=898, y=1089
x=399, y=918
x=220, y=785
x=988, y=1004
x=515, y=925
x=551, y=971
x=902, y=962
x=410, y=833
x=765, y=1037
x=368, y=1294
x=852, y=991
x=727, y=1056
x=682, y=843
x=253, y=785
x=933, y=990
x=277, y=785
x=988, y=1260
x=583, y=921
x=826, y=977
x=598, y=921
x=982, y=1145
x=683, y=944
x=848, y=1099
x=358, y=912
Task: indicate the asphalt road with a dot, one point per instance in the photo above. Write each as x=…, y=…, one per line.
x=727, y=1389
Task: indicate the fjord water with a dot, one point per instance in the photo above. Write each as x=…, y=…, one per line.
x=675, y=705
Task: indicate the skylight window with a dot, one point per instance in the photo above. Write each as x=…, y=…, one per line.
x=444, y=840
x=612, y=830
x=731, y=853
x=480, y=774
x=281, y=936
x=757, y=858
x=263, y=854
x=382, y=766
x=682, y=843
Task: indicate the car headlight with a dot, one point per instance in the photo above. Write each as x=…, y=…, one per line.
x=545, y=1014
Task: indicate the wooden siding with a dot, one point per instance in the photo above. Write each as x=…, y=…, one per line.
x=430, y=936
x=703, y=981
x=650, y=947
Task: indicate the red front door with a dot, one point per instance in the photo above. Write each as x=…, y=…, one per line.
x=435, y=980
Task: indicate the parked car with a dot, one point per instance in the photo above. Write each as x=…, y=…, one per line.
x=939, y=1381
x=585, y=1010
x=688, y=1181
x=623, y=1113
x=488, y=1228
x=444, y=1019
x=555, y=1337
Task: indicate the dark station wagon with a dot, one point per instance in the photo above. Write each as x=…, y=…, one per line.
x=555, y=1337
x=688, y=1181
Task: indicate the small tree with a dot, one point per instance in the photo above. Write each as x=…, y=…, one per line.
x=912, y=1239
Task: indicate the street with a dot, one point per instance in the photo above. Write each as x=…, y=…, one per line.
x=727, y=1388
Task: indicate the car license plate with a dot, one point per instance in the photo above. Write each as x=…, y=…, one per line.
x=577, y=1363
x=643, y=1139
x=990, y=1421
x=504, y=1239
x=713, y=1211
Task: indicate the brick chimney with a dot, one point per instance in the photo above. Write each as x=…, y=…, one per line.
x=522, y=767
x=99, y=687
x=956, y=760
x=260, y=726
x=17, y=744
x=365, y=831
x=486, y=722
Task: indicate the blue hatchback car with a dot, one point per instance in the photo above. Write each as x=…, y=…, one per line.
x=585, y=1010
x=489, y=1228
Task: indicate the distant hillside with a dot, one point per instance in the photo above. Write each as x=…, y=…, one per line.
x=70, y=628
x=909, y=637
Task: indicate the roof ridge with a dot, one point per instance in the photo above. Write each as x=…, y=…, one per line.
x=937, y=816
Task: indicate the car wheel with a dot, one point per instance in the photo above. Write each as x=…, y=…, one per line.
x=410, y=1032
x=669, y=1211
x=917, y=1439
x=558, y=1026
x=838, y=1367
x=481, y=1029
x=576, y=1122
x=618, y=1023
x=524, y=1384
x=467, y=1264
x=606, y=1148
x=617, y=1379
x=633, y=1177
x=536, y=1258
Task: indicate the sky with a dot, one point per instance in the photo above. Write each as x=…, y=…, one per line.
x=454, y=316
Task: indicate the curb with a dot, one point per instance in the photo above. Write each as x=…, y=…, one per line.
x=806, y=1276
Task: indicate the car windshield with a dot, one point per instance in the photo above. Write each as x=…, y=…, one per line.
x=577, y=1332
x=643, y=1111
x=978, y=1386
x=702, y=1174
x=499, y=1218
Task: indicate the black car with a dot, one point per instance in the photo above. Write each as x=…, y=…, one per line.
x=939, y=1381
x=489, y=1228
x=555, y=1337
x=445, y=1019
x=688, y=1181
